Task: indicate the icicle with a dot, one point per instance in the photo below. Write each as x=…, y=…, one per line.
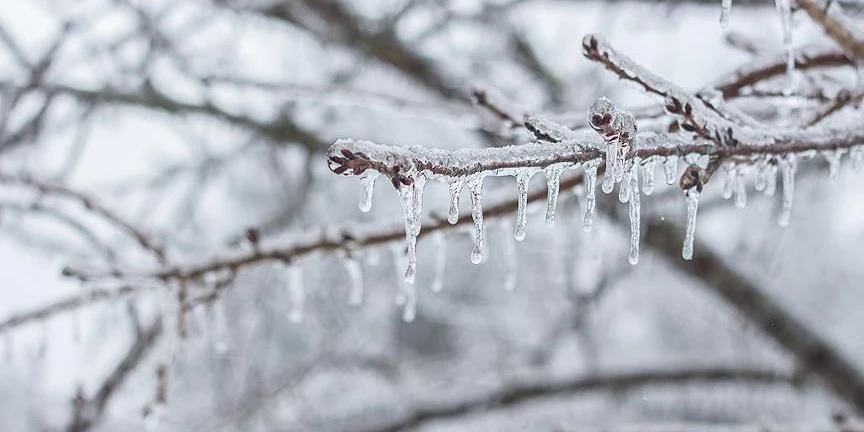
x=412, y=204
x=367, y=180
x=590, y=203
x=788, y=166
x=398, y=265
x=455, y=190
x=857, y=155
x=624, y=188
x=670, y=169
x=475, y=186
x=611, y=160
x=729, y=181
x=510, y=267
x=553, y=183
x=771, y=180
x=522, y=180
x=784, y=7
x=633, y=258
x=440, y=261
x=355, y=277
x=740, y=189
x=833, y=159
x=761, y=175
x=726, y=9
x=648, y=168
x=298, y=293
x=692, y=195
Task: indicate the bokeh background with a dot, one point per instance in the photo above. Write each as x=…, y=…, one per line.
x=195, y=120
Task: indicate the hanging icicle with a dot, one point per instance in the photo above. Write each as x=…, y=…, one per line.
x=725, y=11
x=788, y=166
x=648, y=168
x=475, y=186
x=740, y=189
x=635, y=217
x=367, y=181
x=670, y=169
x=692, y=197
x=522, y=179
x=553, y=183
x=590, y=200
x=455, y=189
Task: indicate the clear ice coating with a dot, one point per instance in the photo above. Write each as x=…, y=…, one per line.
x=367, y=181
x=522, y=179
x=590, y=199
x=670, y=169
x=475, y=186
x=740, y=189
x=788, y=166
x=440, y=246
x=833, y=158
x=725, y=11
x=648, y=176
x=553, y=183
x=455, y=189
x=510, y=265
x=692, y=198
x=355, y=278
x=633, y=186
x=297, y=292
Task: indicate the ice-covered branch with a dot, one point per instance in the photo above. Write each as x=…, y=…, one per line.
x=60, y=191
x=770, y=67
x=814, y=354
x=835, y=26
x=515, y=394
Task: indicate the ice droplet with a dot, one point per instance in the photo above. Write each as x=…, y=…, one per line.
x=633, y=257
x=298, y=293
x=522, y=180
x=553, y=183
x=670, y=169
x=440, y=245
x=355, y=277
x=692, y=197
x=367, y=180
x=455, y=189
x=788, y=166
x=590, y=200
x=475, y=186
x=648, y=168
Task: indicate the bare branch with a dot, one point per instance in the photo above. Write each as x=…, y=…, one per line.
x=836, y=28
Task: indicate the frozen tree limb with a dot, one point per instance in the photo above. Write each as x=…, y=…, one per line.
x=814, y=354
x=515, y=394
x=88, y=412
x=834, y=25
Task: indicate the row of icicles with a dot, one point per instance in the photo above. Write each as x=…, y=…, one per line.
x=629, y=191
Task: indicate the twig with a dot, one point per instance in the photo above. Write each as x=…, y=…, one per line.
x=88, y=412
x=835, y=28
x=814, y=354
x=521, y=393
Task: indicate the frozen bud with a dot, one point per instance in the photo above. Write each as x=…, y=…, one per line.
x=600, y=115
x=693, y=177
